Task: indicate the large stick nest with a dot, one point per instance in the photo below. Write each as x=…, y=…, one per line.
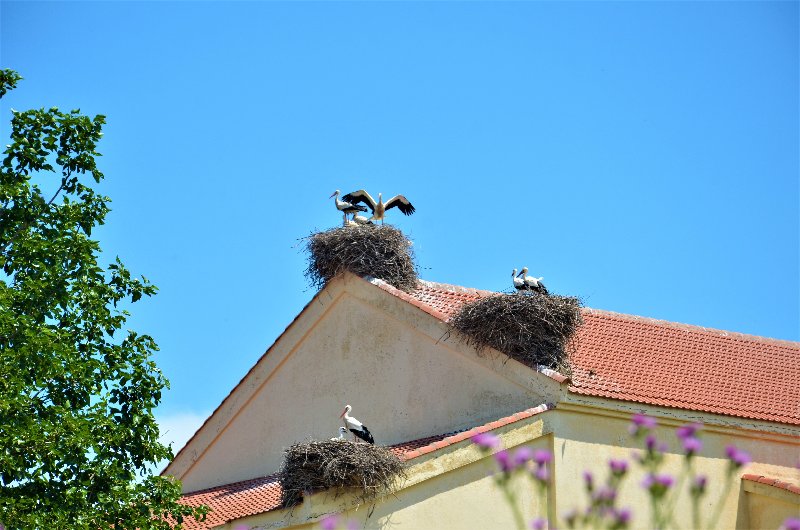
x=535, y=329
x=369, y=250
x=367, y=470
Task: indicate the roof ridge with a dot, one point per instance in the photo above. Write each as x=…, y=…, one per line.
x=455, y=288
x=629, y=317
x=735, y=335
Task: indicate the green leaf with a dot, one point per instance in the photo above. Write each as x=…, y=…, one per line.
x=77, y=391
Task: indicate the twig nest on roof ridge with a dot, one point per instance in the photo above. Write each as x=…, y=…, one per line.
x=367, y=470
x=535, y=329
x=379, y=251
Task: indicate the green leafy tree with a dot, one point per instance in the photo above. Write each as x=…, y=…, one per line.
x=77, y=392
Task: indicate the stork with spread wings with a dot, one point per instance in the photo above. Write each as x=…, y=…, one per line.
x=379, y=208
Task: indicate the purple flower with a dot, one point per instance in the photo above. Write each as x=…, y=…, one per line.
x=486, y=440
x=698, y=486
x=605, y=495
x=589, y=480
x=688, y=431
x=657, y=484
x=542, y=457
x=639, y=422
x=539, y=523
x=329, y=522
x=541, y=474
x=737, y=456
x=650, y=442
x=622, y=516
x=237, y=527
x=618, y=467
x=504, y=460
x=692, y=445
x=665, y=480
x=352, y=524
x=522, y=455
x=792, y=523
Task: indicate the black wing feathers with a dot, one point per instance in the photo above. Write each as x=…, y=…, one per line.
x=402, y=204
x=364, y=435
x=360, y=196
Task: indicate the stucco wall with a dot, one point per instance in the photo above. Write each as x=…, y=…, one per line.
x=587, y=441
x=767, y=512
x=452, y=488
x=401, y=382
x=464, y=497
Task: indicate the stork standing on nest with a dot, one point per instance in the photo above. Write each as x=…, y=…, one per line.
x=356, y=427
x=379, y=208
x=346, y=206
x=534, y=284
x=519, y=283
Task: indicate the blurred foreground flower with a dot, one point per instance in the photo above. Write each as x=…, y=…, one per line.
x=641, y=423
x=486, y=440
x=792, y=523
x=737, y=456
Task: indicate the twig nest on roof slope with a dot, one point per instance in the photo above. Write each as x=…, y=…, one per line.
x=370, y=250
x=533, y=328
x=369, y=471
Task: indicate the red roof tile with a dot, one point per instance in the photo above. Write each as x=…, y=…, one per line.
x=775, y=483
x=663, y=363
x=259, y=495
x=233, y=501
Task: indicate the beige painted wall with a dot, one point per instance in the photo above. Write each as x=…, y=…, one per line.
x=768, y=509
x=452, y=489
x=588, y=439
x=462, y=497
x=367, y=349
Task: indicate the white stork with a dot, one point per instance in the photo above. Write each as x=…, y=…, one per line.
x=341, y=437
x=519, y=283
x=379, y=208
x=356, y=427
x=361, y=220
x=346, y=206
x=534, y=284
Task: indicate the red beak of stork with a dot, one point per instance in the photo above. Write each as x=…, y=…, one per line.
x=342, y=414
x=332, y=194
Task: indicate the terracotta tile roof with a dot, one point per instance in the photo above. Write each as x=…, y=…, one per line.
x=673, y=365
x=663, y=363
x=772, y=482
x=233, y=501
x=259, y=495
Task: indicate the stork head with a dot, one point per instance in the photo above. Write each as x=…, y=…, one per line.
x=524, y=271
x=342, y=430
x=347, y=409
x=334, y=194
x=513, y=273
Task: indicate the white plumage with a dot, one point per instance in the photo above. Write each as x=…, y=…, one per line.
x=356, y=427
x=519, y=283
x=379, y=208
x=534, y=284
x=346, y=207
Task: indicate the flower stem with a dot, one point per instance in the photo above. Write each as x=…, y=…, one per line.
x=512, y=502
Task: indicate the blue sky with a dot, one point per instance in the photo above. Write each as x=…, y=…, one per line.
x=643, y=156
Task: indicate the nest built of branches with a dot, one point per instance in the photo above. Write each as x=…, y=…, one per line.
x=367, y=470
x=379, y=251
x=535, y=329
